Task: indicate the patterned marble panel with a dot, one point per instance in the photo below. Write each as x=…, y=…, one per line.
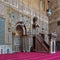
x=2, y=30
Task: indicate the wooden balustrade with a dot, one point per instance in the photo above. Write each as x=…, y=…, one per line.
x=39, y=45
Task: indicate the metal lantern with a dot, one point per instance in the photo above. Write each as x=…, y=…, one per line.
x=49, y=12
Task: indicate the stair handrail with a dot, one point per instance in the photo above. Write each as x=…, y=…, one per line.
x=41, y=42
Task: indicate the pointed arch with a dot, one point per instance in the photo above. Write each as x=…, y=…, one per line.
x=22, y=25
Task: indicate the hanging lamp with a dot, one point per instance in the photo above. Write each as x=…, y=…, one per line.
x=49, y=12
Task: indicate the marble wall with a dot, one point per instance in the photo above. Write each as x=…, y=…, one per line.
x=16, y=12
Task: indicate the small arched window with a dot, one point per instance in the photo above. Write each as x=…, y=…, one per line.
x=58, y=23
x=1, y=51
x=8, y=51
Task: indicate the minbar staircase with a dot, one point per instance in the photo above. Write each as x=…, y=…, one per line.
x=40, y=45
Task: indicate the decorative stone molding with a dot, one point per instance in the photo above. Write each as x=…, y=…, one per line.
x=24, y=8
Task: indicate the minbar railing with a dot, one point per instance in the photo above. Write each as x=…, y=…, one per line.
x=40, y=46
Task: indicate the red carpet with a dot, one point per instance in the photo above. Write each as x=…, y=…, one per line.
x=30, y=56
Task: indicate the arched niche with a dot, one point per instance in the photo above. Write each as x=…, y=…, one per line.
x=21, y=25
